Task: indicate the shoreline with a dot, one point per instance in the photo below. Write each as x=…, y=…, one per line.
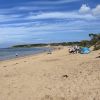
x=21, y=57
x=29, y=55
x=54, y=48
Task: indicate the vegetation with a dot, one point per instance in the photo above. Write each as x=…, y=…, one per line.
x=29, y=45
x=94, y=41
x=51, y=44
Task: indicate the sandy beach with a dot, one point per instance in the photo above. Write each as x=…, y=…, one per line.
x=56, y=76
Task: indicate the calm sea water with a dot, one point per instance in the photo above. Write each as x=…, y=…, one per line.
x=9, y=53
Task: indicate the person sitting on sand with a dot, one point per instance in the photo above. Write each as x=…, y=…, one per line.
x=72, y=50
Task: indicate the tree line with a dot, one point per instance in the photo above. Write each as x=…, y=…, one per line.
x=94, y=41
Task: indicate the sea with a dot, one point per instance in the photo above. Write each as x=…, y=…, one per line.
x=10, y=53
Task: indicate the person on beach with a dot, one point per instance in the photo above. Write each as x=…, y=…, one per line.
x=72, y=50
x=77, y=49
x=16, y=54
x=50, y=52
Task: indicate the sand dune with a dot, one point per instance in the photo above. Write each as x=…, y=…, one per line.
x=56, y=76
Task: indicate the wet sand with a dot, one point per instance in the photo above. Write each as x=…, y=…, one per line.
x=56, y=76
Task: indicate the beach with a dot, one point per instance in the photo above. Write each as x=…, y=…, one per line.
x=56, y=76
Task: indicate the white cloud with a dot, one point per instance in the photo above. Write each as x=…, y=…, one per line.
x=46, y=15
x=34, y=33
x=52, y=2
x=85, y=9
x=62, y=15
x=96, y=11
x=85, y=13
x=36, y=5
x=4, y=17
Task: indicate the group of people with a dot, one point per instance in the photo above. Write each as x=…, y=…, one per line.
x=74, y=49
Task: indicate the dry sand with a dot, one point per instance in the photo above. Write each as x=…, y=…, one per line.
x=56, y=76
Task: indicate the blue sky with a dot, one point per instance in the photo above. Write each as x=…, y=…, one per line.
x=43, y=21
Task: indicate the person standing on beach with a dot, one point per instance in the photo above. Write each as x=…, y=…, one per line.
x=76, y=49
x=16, y=54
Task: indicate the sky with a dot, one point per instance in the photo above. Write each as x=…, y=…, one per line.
x=47, y=21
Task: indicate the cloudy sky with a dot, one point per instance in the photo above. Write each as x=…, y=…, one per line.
x=43, y=21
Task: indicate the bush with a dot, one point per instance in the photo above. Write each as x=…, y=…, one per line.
x=97, y=46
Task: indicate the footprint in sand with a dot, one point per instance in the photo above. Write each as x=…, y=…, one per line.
x=4, y=66
x=65, y=76
x=16, y=63
x=49, y=97
x=98, y=57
